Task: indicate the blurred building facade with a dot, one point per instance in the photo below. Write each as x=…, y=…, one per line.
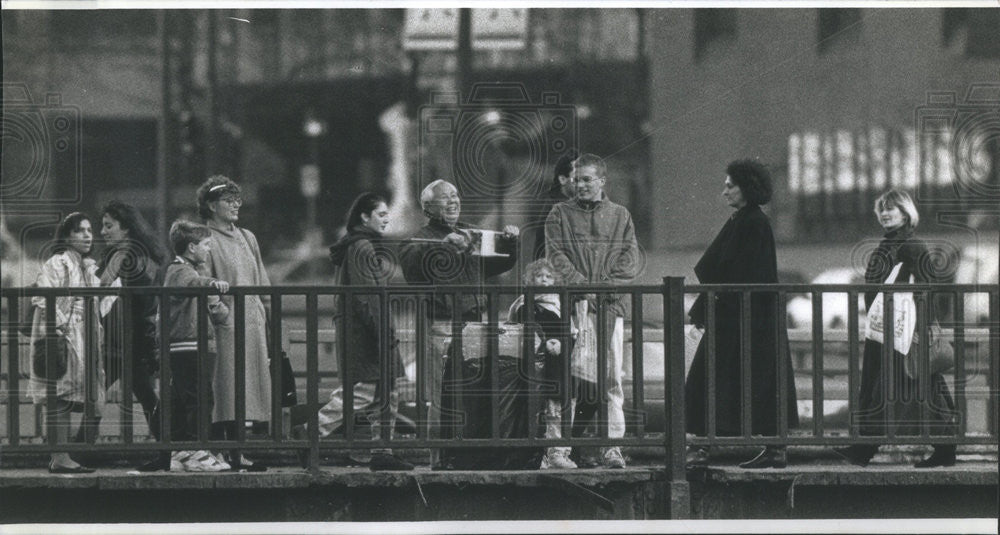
x=238, y=84
x=841, y=103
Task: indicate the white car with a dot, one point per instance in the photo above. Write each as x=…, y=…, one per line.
x=799, y=308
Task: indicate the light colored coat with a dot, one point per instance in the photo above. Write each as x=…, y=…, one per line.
x=235, y=258
x=69, y=269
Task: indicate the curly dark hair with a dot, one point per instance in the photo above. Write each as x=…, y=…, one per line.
x=141, y=236
x=210, y=191
x=754, y=180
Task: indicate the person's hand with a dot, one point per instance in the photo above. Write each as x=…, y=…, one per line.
x=511, y=231
x=457, y=240
x=221, y=286
x=553, y=347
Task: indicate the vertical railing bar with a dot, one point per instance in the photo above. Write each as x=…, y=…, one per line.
x=673, y=373
x=960, y=373
x=50, y=360
x=312, y=377
x=922, y=395
x=346, y=379
x=125, y=380
x=239, y=370
x=602, y=368
x=13, y=368
x=566, y=409
x=493, y=360
x=457, y=365
x=781, y=338
x=852, y=361
x=166, y=370
x=994, y=374
x=423, y=411
x=530, y=360
x=638, y=392
x=277, y=370
x=204, y=372
x=889, y=363
x=91, y=375
x=745, y=364
x=817, y=362
x=387, y=372
x=710, y=362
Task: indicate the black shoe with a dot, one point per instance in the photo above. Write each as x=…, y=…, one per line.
x=386, y=461
x=160, y=463
x=855, y=455
x=770, y=457
x=940, y=457
x=697, y=458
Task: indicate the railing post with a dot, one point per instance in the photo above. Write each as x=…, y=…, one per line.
x=678, y=491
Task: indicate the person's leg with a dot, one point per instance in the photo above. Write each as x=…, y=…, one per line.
x=555, y=456
x=144, y=390
x=383, y=458
x=612, y=456
x=583, y=412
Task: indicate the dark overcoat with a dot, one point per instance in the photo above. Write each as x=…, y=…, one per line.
x=881, y=388
x=742, y=253
x=363, y=260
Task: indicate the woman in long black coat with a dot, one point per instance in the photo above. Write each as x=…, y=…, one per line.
x=742, y=253
x=899, y=217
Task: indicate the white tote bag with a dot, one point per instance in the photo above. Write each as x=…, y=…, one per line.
x=904, y=317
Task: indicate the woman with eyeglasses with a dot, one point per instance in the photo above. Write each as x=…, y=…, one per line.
x=235, y=257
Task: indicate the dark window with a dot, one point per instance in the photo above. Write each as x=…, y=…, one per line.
x=713, y=26
x=981, y=27
x=837, y=26
x=126, y=29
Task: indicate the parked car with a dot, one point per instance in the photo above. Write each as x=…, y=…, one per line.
x=799, y=308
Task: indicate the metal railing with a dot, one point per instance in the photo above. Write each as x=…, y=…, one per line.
x=669, y=297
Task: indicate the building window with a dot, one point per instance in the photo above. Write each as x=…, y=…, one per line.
x=976, y=27
x=837, y=26
x=713, y=27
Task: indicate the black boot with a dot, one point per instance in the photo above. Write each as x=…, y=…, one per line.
x=161, y=462
x=942, y=456
x=858, y=454
x=770, y=457
x=697, y=458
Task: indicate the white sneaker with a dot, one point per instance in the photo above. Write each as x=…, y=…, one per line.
x=613, y=458
x=557, y=459
x=203, y=461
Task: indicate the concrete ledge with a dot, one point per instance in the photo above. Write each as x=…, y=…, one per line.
x=963, y=474
x=287, y=478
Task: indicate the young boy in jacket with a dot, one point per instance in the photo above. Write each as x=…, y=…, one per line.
x=191, y=243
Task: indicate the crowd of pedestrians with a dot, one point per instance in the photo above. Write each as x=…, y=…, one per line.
x=583, y=238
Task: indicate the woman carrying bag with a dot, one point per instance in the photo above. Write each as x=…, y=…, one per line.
x=900, y=258
x=69, y=267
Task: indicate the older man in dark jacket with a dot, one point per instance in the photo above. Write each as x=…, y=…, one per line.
x=441, y=254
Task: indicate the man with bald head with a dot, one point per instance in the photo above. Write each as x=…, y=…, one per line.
x=439, y=255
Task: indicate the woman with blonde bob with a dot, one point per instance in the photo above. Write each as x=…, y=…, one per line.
x=897, y=214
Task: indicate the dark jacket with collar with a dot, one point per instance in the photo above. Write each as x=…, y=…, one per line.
x=442, y=264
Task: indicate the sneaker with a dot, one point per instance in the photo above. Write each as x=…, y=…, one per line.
x=613, y=458
x=388, y=461
x=557, y=459
x=203, y=461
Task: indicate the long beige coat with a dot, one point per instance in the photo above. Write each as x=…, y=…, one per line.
x=235, y=258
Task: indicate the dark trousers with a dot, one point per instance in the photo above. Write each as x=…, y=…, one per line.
x=184, y=383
